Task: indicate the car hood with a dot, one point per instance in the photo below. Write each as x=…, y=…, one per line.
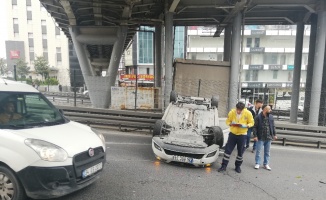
x=72, y=136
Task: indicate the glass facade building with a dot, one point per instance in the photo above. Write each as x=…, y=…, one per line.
x=145, y=46
x=179, y=42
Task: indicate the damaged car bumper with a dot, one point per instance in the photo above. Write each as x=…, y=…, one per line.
x=184, y=154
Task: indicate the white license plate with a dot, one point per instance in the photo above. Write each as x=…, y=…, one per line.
x=183, y=159
x=92, y=170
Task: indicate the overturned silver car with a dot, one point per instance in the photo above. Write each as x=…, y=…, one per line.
x=189, y=131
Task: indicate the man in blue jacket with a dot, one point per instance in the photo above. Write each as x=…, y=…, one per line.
x=264, y=133
x=255, y=110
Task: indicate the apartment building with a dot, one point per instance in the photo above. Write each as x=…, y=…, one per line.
x=267, y=58
x=32, y=32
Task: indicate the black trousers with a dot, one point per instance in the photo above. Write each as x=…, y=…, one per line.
x=233, y=140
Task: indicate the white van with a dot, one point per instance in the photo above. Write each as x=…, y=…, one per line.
x=42, y=153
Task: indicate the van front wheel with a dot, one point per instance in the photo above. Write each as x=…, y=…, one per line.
x=10, y=187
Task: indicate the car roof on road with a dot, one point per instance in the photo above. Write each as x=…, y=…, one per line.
x=14, y=86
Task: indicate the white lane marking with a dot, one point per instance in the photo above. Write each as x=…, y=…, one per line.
x=298, y=149
x=127, y=143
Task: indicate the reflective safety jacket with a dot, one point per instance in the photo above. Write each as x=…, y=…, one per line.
x=245, y=119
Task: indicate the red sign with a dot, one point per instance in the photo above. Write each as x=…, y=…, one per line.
x=146, y=77
x=14, y=54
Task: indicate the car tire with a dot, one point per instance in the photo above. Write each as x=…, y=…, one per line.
x=173, y=96
x=218, y=136
x=16, y=190
x=214, y=101
x=158, y=126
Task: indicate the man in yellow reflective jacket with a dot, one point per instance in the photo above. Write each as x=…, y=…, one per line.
x=239, y=120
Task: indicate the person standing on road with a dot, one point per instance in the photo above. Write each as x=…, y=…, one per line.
x=239, y=119
x=264, y=133
x=255, y=110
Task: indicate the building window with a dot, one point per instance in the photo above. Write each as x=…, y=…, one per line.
x=14, y=2
x=275, y=72
x=145, y=47
x=31, y=49
x=147, y=70
x=45, y=49
x=29, y=15
x=30, y=35
x=270, y=58
x=249, y=42
x=179, y=38
x=257, y=42
x=283, y=59
x=43, y=22
x=58, y=49
x=248, y=59
x=57, y=31
x=251, y=75
x=28, y=2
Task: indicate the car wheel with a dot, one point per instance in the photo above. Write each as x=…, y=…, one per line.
x=158, y=127
x=218, y=135
x=10, y=187
x=214, y=101
x=173, y=96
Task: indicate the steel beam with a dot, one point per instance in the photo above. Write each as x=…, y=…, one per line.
x=158, y=56
x=318, y=68
x=168, y=57
x=297, y=72
x=227, y=43
x=235, y=62
x=310, y=67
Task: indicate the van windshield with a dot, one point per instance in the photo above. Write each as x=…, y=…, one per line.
x=27, y=110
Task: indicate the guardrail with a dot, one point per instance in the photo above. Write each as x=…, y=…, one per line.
x=120, y=118
x=288, y=134
x=301, y=134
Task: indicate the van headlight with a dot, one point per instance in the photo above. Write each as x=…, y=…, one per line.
x=47, y=151
x=100, y=135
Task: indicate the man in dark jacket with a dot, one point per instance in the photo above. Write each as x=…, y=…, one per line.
x=255, y=110
x=264, y=133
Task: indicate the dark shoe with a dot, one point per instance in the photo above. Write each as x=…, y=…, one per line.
x=238, y=169
x=253, y=150
x=222, y=169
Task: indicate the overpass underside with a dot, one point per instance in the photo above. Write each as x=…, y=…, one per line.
x=102, y=29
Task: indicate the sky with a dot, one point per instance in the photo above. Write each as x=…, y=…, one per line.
x=3, y=29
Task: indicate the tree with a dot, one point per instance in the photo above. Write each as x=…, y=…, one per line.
x=51, y=81
x=42, y=67
x=3, y=66
x=21, y=68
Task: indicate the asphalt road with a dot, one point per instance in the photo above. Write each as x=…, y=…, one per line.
x=133, y=173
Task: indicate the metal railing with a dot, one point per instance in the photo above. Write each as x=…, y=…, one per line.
x=288, y=134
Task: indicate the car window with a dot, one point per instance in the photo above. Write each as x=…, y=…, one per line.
x=28, y=110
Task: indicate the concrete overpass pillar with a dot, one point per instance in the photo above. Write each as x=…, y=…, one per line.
x=297, y=72
x=310, y=67
x=80, y=49
x=318, y=68
x=168, y=57
x=322, y=110
x=235, y=62
x=227, y=43
x=158, y=56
